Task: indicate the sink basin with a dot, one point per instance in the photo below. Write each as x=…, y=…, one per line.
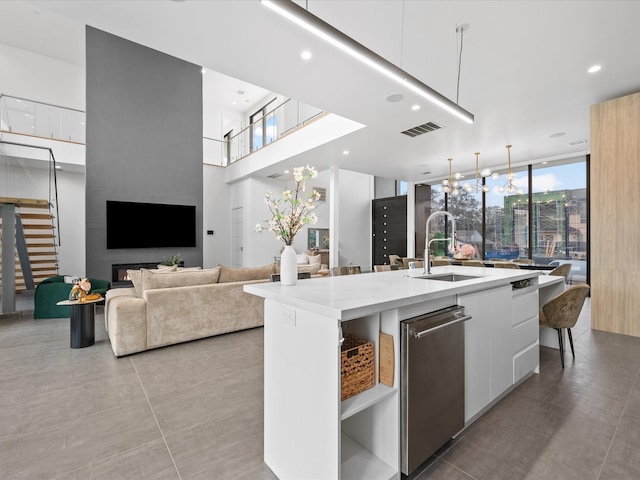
x=449, y=277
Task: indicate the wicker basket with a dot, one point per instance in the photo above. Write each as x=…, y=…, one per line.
x=357, y=365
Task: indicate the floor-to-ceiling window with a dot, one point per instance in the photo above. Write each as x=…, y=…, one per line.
x=559, y=210
x=552, y=229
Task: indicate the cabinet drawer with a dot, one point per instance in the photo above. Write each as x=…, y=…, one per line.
x=524, y=306
x=525, y=362
x=525, y=334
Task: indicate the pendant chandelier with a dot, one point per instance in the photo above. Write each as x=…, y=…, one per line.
x=509, y=186
x=452, y=184
x=479, y=176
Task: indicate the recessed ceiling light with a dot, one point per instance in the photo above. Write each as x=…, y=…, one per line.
x=234, y=103
x=305, y=55
x=286, y=171
x=557, y=134
x=203, y=70
x=415, y=107
x=544, y=163
x=345, y=152
x=594, y=69
x=396, y=97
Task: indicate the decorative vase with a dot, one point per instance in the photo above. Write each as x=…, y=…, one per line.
x=288, y=266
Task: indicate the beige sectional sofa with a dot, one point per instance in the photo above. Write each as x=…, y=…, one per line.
x=170, y=306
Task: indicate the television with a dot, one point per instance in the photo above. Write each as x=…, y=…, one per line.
x=150, y=225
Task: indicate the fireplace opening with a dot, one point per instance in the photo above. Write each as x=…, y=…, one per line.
x=119, y=276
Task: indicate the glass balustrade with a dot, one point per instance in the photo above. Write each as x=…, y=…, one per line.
x=276, y=123
x=26, y=117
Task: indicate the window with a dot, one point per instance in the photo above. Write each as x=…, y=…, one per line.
x=558, y=213
x=263, y=128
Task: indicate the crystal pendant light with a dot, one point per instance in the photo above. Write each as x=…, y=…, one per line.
x=510, y=186
x=452, y=184
x=479, y=175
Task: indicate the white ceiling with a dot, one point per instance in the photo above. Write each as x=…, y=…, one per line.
x=523, y=70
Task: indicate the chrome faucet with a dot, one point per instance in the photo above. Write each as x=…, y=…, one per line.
x=427, y=255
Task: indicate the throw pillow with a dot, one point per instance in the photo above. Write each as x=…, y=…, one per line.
x=228, y=274
x=152, y=280
x=302, y=258
x=315, y=259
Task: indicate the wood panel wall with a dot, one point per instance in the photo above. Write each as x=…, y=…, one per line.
x=615, y=215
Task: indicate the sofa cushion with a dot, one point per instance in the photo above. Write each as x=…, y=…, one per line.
x=152, y=280
x=228, y=274
x=136, y=278
x=302, y=258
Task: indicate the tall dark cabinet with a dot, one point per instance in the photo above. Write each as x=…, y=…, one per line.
x=389, y=228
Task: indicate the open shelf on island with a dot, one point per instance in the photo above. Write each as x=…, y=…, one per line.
x=358, y=462
x=365, y=399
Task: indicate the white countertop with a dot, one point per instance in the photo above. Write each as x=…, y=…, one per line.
x=352, y=296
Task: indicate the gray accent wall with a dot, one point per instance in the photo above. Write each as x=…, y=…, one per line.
x=144, y=142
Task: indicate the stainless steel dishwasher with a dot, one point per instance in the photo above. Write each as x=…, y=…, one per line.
x=431, y=383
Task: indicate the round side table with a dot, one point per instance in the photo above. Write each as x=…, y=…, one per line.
x=83, y=320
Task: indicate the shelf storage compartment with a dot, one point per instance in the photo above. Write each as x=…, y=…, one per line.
x=359, y=463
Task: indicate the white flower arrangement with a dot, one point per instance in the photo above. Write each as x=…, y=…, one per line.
x=292, y=212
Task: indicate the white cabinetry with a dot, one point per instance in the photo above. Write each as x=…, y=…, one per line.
x=488, y=348
x=526, y=350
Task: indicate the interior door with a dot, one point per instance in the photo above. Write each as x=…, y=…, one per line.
x=237, y=237
x=389, y=228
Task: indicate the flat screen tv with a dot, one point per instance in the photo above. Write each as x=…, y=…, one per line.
x=150, y=225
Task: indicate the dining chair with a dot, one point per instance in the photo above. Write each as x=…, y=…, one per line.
x=563, y=311
x=275, y=277
x=562, y=271
x=349, y=270
x=472, y=263
x=395, y=260
x=506, y=265
x=385, y=268
x=440, y=262
x=406, y=261
x=523, y=261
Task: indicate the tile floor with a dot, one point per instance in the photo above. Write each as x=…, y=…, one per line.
x=195, y=411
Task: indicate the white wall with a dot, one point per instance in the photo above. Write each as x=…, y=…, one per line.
x=356, y=193
x=216, y=207
x=261, y=248
x=43, y=79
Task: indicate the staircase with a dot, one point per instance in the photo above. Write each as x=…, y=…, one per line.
x=35, y=230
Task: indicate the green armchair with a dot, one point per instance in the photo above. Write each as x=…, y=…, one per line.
x=53, y=289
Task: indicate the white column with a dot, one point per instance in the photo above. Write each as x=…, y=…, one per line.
x=411, y=221
x=334, y=216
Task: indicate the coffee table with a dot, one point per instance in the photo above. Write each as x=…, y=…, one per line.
x=83, y=320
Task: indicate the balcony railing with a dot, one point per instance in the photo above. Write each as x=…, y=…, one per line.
x=37, y=119
x=284, y=119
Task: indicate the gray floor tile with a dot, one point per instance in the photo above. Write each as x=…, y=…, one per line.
x=624, y=456
x=69, y=446
x=147, y=461
x=84, y=414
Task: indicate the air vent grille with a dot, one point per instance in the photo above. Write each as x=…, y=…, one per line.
x=322, y=192
x=577, y=142
x=420, y=129
x=275, y=175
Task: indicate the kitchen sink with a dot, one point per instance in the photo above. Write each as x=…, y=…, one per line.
x=449, y=277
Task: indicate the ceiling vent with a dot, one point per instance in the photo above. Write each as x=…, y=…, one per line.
x=577, y=142
x=275, y=175
x=322, y=192
x=420, y=129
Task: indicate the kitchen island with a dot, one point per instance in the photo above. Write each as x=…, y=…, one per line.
x=309, y=432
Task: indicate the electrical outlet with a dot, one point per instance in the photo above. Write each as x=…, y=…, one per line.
x=289, y=316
